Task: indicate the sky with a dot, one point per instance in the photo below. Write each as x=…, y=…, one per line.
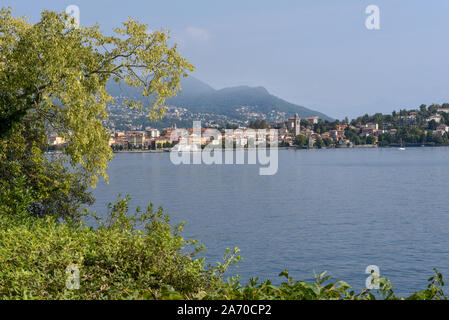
x=315, y=53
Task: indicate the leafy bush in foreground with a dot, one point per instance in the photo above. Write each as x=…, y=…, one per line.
x=141, y=256
x=117, y=260
x=321, y=289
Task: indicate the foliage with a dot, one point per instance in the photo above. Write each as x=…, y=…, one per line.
x=322, y=289
x=301, y=140
x=53, y=78
x=59, y=73
x=37, y=183
x=141, y=256
x=259, y=124
x=319, y=143
x=128, y=256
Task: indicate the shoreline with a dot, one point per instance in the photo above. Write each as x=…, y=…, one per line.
x=167, y=150
x=305, y=148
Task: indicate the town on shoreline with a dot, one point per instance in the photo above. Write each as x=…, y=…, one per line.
x=425, y=126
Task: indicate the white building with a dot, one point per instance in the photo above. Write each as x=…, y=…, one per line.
x=152, y=133
x=436, y=118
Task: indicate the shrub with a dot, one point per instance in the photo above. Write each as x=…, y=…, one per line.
x=127, y=256
x=321, y=289
x=141, y=256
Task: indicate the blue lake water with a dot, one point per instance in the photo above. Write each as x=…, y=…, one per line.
x=334, y=210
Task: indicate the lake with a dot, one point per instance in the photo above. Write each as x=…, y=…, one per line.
x=338, y=210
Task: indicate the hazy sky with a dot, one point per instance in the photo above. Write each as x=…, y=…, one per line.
x=315, y=53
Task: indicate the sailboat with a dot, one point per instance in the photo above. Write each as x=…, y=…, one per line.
x=402, y=148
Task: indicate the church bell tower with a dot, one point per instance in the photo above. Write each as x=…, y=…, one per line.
x=297, y=127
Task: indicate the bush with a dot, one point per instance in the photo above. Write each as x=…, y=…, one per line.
x=141, y=256
x=126, y=257
x=321, y=289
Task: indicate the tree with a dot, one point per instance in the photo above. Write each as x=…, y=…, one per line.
x=53, y=78
x=370, y=140
x=301, y=140
x=33, y=182
x=432, y=125
x=10, y=113
x=423, y=110
x=60, y=73
x=319, y=143
x=327, y=142
x=231, y=126
x=259, y=124
x=433, y=108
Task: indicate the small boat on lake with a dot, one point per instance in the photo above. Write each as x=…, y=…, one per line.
x=402, y=148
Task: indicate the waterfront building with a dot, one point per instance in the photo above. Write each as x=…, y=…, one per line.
x=312, y=120
x=445, y=110
x=136, y=138
x=374, y=126
x=368, y=132
x=443, y=128
x=436, y=118
x=152, y=133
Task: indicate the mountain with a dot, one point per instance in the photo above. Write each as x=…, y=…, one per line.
x=199, y=97
x=193, y=87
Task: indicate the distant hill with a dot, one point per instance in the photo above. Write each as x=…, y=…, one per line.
x=199, y=97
